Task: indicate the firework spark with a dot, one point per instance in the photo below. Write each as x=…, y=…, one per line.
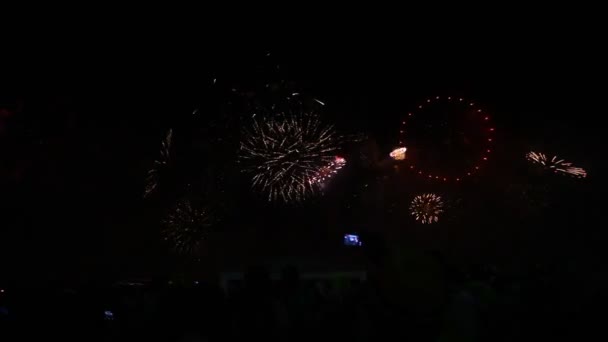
x=285, y=153
x=186, y=226
x=159, y=164
x=328, y=171
x=426, y=208
x=556, y=164
x=398, y=153
x=576, y=172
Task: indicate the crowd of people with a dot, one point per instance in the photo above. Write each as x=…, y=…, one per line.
x=473, y=307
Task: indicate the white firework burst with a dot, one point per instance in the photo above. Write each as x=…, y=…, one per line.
x=426, y=208
x=284, y=153
x=187, y=225
x=556, y=164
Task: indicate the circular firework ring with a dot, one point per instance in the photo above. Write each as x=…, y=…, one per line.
x=448, y=139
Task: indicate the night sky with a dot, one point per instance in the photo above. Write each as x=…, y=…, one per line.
x=78, y=132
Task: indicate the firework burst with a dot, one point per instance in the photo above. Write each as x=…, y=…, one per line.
x=186, y=226
x=159, y=165
x=426, y=208
x=284, y=153
x=556, y=164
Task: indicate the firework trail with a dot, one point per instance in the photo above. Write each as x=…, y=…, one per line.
x=186, y=226
x=284, y=153
x=159, y=165
x=327, y=172
x=556, y=164
x=426, y=208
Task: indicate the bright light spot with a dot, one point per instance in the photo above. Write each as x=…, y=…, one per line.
x=398, y=153
x=352, y=240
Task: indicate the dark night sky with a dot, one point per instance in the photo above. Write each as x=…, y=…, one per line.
x=86, y=124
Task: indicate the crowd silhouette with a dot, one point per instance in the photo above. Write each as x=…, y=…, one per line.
x=477, y=305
